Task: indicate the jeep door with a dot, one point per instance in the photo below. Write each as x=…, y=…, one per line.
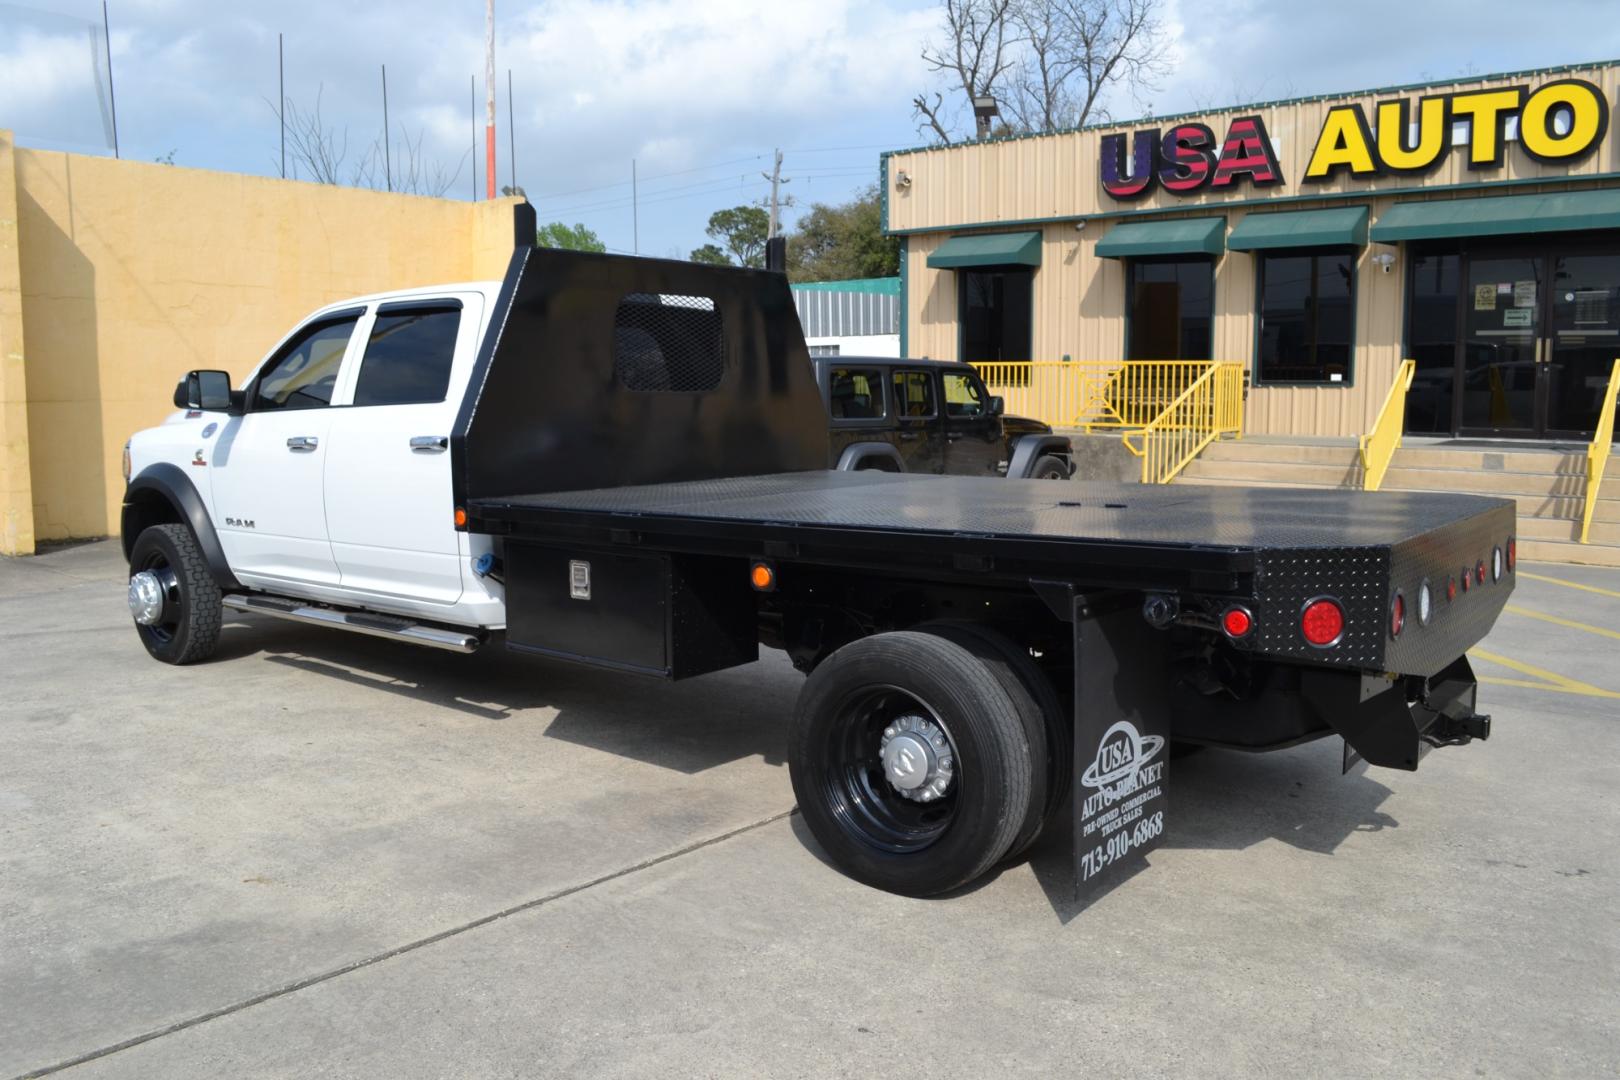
x=388, y=492
x=268, y=464
x=973, y=444
x=918, y=433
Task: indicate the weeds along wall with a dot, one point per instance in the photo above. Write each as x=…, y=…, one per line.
x=116, y=277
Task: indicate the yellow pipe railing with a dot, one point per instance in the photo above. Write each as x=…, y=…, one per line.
x=1377, y=447
x=1597, y=455
x=1091, y=394
x=1210, y=407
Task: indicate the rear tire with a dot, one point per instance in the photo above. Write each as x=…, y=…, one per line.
x=865, y=825
x=1049, y=467
x=188, y=630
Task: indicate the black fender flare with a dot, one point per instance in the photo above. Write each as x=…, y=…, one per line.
x=857, y=454
x=1029, y=448
x=175, y=487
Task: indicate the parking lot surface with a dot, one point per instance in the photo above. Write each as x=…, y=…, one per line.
x=324, y=855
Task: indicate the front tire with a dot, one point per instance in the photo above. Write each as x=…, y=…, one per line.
x=942, y=835
x=173, y=596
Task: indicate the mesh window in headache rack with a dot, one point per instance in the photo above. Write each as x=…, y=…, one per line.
x=668, y=343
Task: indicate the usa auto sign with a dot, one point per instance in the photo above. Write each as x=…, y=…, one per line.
x=1559, y=123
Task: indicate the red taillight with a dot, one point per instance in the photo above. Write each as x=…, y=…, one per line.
x=1397, y=616
x=1451, y=589
x=1322, y=622
x=1479, y=573
x=1512, y=553
x=1237, y=622
x=1468, y=579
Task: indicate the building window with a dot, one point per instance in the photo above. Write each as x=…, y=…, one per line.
x=1306, y=317
x=1171, y=304
x=1431, y=339
x=996, y=308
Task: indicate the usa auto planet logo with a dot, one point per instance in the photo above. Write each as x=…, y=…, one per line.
x=1121, y=755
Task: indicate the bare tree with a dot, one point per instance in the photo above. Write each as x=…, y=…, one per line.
x=320, y=150
x=973, y=57
x=310, y=143
x=1053, y=61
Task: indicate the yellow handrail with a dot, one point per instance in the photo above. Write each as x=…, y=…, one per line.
x=1597, y=455
x=1377, y=447
x=1091, y=394
x=1209, y=408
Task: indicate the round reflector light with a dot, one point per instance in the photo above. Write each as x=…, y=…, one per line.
x=1237, y=622
x=1425, y=604
x=1451, y=589
x=1468, y=579
x=1397, y=615
x=1512, y=553
x=1496, y=564
x=1322, y=622
x=1479, y=573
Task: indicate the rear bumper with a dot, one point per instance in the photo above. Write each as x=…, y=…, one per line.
x=1394, y=721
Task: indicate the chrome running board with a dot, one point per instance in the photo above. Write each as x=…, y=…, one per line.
x=359, y=622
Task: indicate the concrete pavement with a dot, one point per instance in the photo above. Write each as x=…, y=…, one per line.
x=334, y=856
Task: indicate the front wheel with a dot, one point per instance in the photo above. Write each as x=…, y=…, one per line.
x=173, y=597
x=911, y=763
x=1049, y=467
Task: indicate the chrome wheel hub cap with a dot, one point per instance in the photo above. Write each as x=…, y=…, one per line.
x=148, y=592
x=918, y=759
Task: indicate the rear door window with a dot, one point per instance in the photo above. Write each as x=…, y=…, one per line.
x=409, y=354
x=305, y=372
x=855, y=393
x=914, y=394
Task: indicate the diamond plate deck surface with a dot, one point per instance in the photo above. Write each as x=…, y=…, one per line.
x=1177, y=515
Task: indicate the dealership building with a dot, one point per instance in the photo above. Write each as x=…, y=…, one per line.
x=1472, y=226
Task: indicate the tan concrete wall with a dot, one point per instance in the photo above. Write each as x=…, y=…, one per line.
x=16, y=498
x=133, y=273
x=1080, y=298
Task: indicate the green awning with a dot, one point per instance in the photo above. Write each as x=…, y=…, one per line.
x=1300, y=229
x=1499, y=215
x=988, y=249
x=1183, y=236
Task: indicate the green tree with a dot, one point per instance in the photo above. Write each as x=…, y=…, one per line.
x=742, y=230
x=710, y=255
x=569, y=238
x=835, y=243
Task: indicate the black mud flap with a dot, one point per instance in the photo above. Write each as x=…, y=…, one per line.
x=1381, y=727
x=1121, y=744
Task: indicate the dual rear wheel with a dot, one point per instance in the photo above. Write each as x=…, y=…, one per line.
x=922, y=758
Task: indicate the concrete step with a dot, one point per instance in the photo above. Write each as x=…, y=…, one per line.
x=1549, y=462
x=1488, y=483
x=1559, y=529
x=1292, y=474
x=1561, y=510
x=1554, y=551
x=1282, y=453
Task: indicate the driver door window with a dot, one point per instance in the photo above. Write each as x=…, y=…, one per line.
x=306, y=372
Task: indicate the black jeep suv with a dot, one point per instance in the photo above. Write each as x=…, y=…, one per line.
x=931, y=416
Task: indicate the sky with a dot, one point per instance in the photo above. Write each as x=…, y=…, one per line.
x=697, y=94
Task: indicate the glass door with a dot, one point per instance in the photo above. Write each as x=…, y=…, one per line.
x=1584, y=339
x=1503, y=388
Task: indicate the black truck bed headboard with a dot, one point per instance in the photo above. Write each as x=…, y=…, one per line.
x=607, y=370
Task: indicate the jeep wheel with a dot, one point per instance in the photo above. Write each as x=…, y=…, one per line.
x=1049, y=467
x=173, y=597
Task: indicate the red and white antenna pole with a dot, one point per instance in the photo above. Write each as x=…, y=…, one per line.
x=489, y=99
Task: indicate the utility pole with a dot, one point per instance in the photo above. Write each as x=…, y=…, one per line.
x=635, y=212
x=388, y=157
x=777, y=180
x=489, y=99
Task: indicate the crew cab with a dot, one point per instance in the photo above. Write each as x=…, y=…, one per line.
x=623, y=462
x=931, y=416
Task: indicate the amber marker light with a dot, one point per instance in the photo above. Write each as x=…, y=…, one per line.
x=461, y=517
x=762, y=577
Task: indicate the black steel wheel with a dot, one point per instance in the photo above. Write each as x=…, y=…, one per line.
x=1049, y=467
x=173, y=597
x=911, y=763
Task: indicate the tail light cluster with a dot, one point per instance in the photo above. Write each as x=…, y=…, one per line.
x=1502, y=560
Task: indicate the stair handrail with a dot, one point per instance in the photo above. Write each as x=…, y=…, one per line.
x=1597, y=455
x=1210, y=407
x=1376, y=449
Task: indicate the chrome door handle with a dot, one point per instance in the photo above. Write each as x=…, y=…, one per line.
x=430, y=444
x=303, y=443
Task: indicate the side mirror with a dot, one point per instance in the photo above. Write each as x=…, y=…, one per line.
x=998, y=405
x=209, y=391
